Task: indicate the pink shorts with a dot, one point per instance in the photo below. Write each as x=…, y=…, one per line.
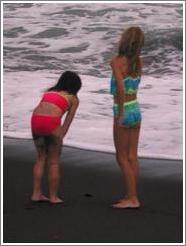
x=43, y=125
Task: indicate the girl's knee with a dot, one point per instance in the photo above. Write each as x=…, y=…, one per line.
x=133, y=159
x=54, y=158
x=41, y=158
x=54, y=162
x=122, y=159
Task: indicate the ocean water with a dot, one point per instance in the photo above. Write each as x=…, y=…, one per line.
x=41, y=40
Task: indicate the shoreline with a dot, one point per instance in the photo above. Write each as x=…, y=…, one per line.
x=155, y=157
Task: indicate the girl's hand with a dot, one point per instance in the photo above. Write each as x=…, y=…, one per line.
x=119, y=120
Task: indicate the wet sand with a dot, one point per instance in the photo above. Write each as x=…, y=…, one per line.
x=91, y=182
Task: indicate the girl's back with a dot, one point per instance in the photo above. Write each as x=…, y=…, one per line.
x=54, y=103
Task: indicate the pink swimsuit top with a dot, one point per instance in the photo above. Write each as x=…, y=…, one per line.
x=56, y=99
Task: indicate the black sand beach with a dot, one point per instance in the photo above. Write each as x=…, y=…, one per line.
x=91, y=182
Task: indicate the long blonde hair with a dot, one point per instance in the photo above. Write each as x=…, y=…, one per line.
x=131, y=42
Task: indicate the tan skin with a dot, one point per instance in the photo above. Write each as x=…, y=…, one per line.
x=51, y=154
x=125, y=139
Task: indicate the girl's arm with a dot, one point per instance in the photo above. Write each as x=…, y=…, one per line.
x=69, y=117
x=119, y=72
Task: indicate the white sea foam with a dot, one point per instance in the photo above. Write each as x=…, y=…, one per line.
x=161, y=133
x=41, y=40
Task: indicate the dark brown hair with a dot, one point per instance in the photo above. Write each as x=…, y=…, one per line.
x=69, y=81
x=131, y=42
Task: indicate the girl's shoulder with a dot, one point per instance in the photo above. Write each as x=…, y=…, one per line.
x=64, y=93
x=75, y=100
x=72, y=99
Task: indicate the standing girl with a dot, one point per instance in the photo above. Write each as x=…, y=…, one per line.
x=48, y=133
x=127, y=70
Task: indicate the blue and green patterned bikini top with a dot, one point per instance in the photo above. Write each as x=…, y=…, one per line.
x=130, y=85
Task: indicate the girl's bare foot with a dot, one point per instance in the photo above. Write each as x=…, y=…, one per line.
x=39, y=198
x=127, y=203
x=122, y=199
x=56, y=200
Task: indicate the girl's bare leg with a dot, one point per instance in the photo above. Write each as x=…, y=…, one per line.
x=38, y=171
x=54, y=152
x=121, y=140
x=133, y=150
x=54, y=178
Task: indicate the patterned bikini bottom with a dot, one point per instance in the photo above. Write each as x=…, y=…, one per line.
x=132, y=114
